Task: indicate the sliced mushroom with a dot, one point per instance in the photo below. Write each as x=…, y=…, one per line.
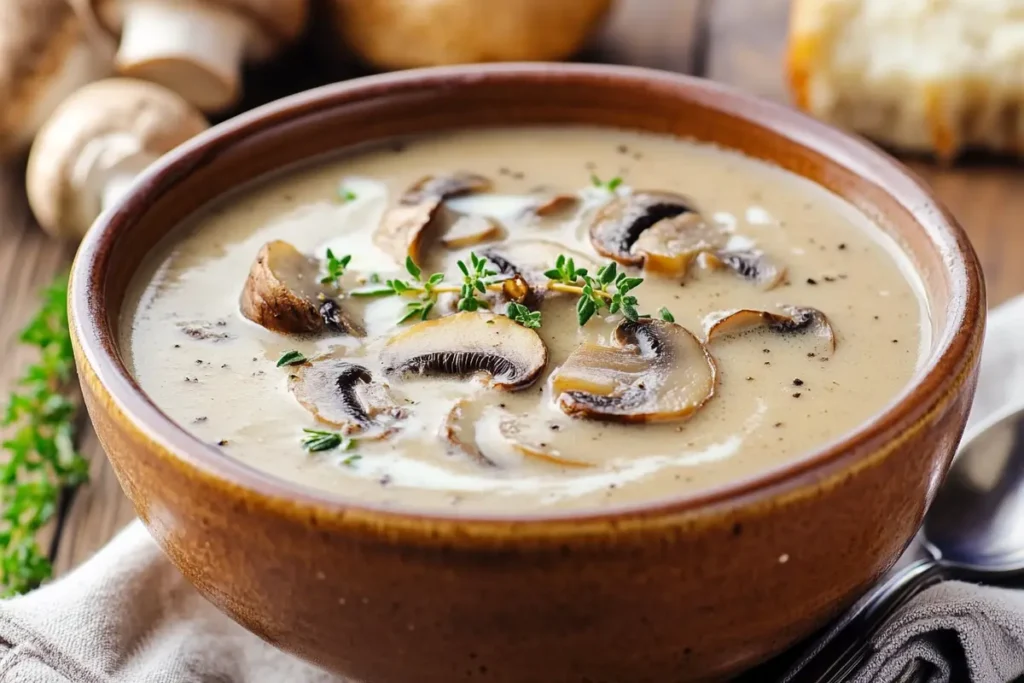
x=750, y=264
x=510, y=356
x=555, y=206
x=530, y=258
x=669, y=246
x=470, y=230
x=283, y=294
x=617, y=225
x=405, y=227
x=467, y=425
x=657, y=371
x=457, y=432
x=345, y=395
x=794, y=320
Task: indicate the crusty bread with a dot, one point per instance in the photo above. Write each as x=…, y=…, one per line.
x=919, y=75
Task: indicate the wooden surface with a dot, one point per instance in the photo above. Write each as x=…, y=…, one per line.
x=735, y=41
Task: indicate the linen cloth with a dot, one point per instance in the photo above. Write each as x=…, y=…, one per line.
x=128, y=616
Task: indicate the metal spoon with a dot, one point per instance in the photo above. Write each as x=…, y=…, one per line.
x=974, y=531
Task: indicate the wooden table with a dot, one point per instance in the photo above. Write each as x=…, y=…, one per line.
x=736, y=41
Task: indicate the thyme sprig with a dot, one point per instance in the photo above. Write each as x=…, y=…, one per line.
x=523, y=315
x=607, y=288
x=609, y=186
x=41, y=459
x=477, y=278
x=335, y=268
x=317, y=440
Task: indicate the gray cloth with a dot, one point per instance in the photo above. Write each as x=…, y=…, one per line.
x=127, y=616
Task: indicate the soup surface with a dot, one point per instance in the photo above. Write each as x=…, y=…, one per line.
x=476, y=413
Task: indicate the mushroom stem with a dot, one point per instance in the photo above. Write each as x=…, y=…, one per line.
x=115, y=188
x=195, y=49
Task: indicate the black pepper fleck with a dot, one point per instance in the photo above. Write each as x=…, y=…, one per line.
x=750, y=379
x=177, y=346
x=199, y=361
x=200, y=419
x=842, y=246
x=766, y=351
x=767, y=362
x=385, y=480
x=895, y=341
x=623, y=149
x=222, y=442
x=810, y=354
x=811, y=281
x=777, y=425
x=829, y=278
x=796, y=394
x=518, y=175
x=737, y=529
x=798, y=382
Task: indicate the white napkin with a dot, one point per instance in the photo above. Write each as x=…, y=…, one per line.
x=128, y=616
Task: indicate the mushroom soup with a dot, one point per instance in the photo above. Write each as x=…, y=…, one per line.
x=500, y=320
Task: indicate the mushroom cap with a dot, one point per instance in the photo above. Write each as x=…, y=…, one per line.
x=798, y=321
x=398, y=34
x=344, y=395
x=403, y=231
x=617, y=225
x=657, y=371
x=110, y=124
x=275, y=23
x=283, y=294
x=466, y=344
x=46, y=57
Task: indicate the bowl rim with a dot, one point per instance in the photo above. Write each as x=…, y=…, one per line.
x=952, y=357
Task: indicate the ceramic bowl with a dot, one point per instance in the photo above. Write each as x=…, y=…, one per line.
x=692, y=589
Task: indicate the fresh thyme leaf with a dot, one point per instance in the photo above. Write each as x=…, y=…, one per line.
x=585, y=310
x=41, y=458
x=374, y=290
x=335, y=268
x=374, y=278
x=316, y=440
x=609, y=186
x=351, y=460
x=666, y=315
x=291, y=358
x=523, y=315
x=413, y=269
x=346, y=194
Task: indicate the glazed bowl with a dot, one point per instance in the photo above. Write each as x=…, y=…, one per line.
x=695, y=588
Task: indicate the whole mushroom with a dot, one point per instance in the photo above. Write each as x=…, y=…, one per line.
x=48, y=53
x=197, y=47
x=95, y=144
x=399, y=34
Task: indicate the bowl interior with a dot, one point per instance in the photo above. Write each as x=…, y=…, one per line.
x=329, y=119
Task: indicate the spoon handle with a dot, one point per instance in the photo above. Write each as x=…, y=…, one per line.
x=840, y=650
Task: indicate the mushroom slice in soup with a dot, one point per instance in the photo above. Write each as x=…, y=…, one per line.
x=750, y=264
x=801, y=321
x=508, y=355
x=403, y=230
x=461, y=433
x=458, y=434
x=556, y=206
x=669, y=246
x=469, y=230
x=617, y=225
x=346, y=396
x=530, y=259
x=657, y=371
x=283, y=294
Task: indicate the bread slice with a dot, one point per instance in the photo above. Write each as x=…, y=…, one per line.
x=920, y=75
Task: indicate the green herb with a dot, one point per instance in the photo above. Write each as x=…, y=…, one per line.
x=608, y=288
x=351, y=460
x=335, y=268
x=666, y=315
x=41, y=456
x=317, y=440
x=291, y=358
x=346, y=194
x=523, y=315
x=474, y=281
x=476, y=278
x=609, y=186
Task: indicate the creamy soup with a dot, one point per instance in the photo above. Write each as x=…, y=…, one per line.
x=795, y=320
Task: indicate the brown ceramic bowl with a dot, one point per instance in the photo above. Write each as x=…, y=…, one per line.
x=694, y=588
